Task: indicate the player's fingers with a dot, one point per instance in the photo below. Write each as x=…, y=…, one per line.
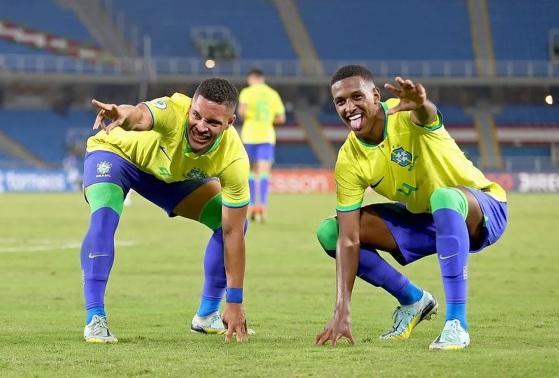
x=241, y=334
x=399, y=80
x=350, y=339
x=101, y=105
x=229, y=334
x=111, y=126
x=99, y=119
x=420, y=89
x=393, y=89
x=408, y=84
x=323, y=337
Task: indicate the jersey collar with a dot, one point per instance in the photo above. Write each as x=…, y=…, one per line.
x=188, y=150
x=385, y=110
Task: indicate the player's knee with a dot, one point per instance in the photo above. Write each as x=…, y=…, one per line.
x=449, y=198
x=327, y=234
x=105, y=194
x=211, y=213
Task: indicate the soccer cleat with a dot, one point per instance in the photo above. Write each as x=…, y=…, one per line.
x=452, y=337
x=211, y=325
x=406, y=318
x=97, y=331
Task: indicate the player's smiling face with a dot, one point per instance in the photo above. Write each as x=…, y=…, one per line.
x=357, y=103
x=207, y=120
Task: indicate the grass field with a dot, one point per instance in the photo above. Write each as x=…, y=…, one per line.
x=289, y=296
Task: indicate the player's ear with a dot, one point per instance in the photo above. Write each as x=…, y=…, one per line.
x=231, y=120
x=376, y=94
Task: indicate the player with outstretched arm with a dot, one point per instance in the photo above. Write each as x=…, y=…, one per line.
x=445, y=205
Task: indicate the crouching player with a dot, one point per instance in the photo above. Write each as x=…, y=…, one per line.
x=446, y=206
x=181, y=154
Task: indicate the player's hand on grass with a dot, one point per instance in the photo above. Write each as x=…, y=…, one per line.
x=235, y=320
x=339, y=327
x=412, y=95
x=116, y=115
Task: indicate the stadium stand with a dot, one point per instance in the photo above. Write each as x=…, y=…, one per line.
x=360, y=30
x=43, y=132
x=517, y=36
x=261, y=36
x=47, y=16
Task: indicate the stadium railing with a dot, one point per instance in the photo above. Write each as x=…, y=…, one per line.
x=52, y=64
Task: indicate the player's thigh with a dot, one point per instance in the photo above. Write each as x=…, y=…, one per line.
x=191, y=205
x=474, y=220
x=374, y=232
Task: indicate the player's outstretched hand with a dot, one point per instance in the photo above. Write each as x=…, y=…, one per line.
x=412, y=95
x=110, y=112
x=337, y=328
x=235, y=320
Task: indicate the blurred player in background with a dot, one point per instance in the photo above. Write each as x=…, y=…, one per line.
x=446, y=206
x=261, y=108
x=181, y=154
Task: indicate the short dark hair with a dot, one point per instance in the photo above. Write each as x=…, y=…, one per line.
x=218, y=90
x=349, y=71
x=255, y=72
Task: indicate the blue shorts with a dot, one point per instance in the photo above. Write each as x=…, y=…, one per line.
x=260, y=151
x=415, y=234
x=104, y=166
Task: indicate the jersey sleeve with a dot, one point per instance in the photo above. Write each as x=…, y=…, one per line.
x=436, y=124
x=162, y=114
x=234, y=184
x=349, y=188
x=243, y=96
x=279, y=108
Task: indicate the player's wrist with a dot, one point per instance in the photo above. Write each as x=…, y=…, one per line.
x=234, y=295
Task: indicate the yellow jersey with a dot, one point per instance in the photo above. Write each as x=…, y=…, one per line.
x=164, y=151
x=409, y=164
x=263, y=104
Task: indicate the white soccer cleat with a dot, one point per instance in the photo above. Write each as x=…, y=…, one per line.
x=211, y=325
x=406, y=318
x=452, y=337
x=97, y=331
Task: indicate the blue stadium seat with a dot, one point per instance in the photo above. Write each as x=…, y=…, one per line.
x=47, y=16
x=526, y=115
x=372, y=29
x=521, y=28
x=43, y=132
x=295, y=155
x=254, y=23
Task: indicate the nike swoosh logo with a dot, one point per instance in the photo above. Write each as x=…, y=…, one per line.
x=447, y=257
x=377, y=184
x=92, y=256
x=165, y=152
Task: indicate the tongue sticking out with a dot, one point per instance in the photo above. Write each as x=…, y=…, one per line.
x=356, y=123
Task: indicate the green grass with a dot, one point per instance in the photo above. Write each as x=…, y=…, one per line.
x=289, y=297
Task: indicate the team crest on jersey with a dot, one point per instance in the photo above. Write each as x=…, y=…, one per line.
x=196, y=174
x=104, y=169
x=159, y=103
x=402, y=157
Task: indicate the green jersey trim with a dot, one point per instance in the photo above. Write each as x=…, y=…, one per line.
x=433, y=127
x=235, y=205
x=188, y=149
x=385, y=109
x=349, y=208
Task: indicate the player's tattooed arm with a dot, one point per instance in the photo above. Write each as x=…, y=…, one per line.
x=128, y=117
x=413, y=96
